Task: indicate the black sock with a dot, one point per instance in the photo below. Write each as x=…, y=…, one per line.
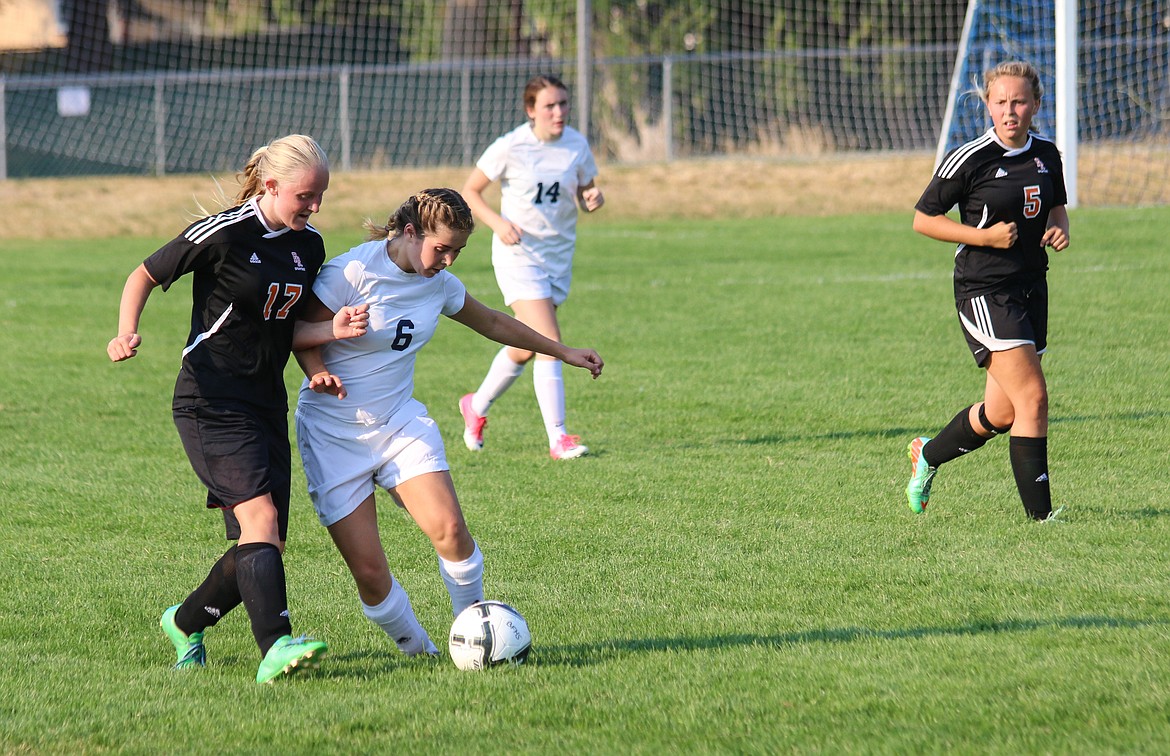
x=955, y=440
x=260, y=574
x=217, y=596
x=1030, y=466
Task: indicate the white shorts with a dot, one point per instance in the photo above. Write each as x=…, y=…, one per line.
x=343, y=462
x=532, y=282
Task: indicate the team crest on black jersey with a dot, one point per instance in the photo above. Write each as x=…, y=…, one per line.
x=301, y=266
x=1040, y=167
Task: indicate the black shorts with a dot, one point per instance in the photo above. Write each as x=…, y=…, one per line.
x=1005, y=319
x=238, y=453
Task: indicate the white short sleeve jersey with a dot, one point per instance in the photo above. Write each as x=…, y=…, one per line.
x=378, y=368
x=538, y=185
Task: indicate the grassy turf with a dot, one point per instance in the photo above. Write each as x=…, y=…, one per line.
x=734, y=569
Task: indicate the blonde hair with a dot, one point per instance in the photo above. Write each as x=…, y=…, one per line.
x=281, y=159
x=1012, y=68
x=428, y=211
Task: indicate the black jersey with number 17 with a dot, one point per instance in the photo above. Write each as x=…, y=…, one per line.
x=249, y=284
x=993, y=183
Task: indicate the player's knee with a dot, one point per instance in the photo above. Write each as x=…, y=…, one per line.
x=1035, y=400
x=371, y=575
x=452, y=539
x=519, y=356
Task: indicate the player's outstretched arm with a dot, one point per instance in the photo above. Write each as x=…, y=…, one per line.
x=137, y=290
x=503, y=328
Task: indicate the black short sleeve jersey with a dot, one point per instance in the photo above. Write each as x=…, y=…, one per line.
x=990, y=183
x=249, y=285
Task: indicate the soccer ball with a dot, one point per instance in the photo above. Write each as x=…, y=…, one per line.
x=488, y=633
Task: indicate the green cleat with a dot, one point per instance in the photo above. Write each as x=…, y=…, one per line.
x=289, y=655
x=922, y=475
x=188, y=648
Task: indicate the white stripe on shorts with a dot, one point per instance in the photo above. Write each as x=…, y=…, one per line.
x=982, y=330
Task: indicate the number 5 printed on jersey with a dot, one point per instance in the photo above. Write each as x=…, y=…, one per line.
x=1031, y=201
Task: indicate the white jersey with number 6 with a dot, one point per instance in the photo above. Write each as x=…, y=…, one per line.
x=538, y=185
x=378, y=368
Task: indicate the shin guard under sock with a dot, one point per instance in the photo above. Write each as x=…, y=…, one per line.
x=464, y=580
x=396, y=617
x=955, y=440
x=260, y=575
x=218, y=595
x=1030, y=468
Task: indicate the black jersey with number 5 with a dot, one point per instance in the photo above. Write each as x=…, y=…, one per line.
x=993, y=183
x=249, y=284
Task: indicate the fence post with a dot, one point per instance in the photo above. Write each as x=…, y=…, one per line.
x=667, y=109
x=3, y=133
x=160, y=129
x=465, y=114
x=584, y=64
x=343, y=124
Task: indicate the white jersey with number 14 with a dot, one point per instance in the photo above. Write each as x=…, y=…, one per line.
x=538, y=184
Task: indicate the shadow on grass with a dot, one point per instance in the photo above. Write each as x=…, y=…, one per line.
x=909, y=433
x=587, y=654
x=1144, y=513
x=833, y=436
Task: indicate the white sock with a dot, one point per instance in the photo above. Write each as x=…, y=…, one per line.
x=464, y=580
x=500, y=377
x=550, y=395
x=395, y=615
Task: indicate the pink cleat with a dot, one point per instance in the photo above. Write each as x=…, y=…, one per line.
x=473, y=424
x=568, y=447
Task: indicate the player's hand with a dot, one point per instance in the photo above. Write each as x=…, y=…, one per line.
x=592, y=199
x=1002, y=235
x=327, y=383
x=585, y=358
x=351, y=322
x=508, y=232
x=123, y=347
x=1054, y=237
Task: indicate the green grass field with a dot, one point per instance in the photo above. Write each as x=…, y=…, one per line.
x=734, y=569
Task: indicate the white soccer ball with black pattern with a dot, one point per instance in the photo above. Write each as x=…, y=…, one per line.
x=488, y=633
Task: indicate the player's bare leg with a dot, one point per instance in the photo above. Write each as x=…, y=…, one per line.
x=384, y=601
x=1016, y=393
x=431, y=500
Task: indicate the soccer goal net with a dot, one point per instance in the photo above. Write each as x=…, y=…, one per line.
x=181, y=86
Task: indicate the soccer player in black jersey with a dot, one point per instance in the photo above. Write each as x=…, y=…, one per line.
x=1009, y=187
x=253, y=267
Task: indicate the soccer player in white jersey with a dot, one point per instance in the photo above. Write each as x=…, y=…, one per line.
x=252, y=267
x=380, y=435
x=1009, y=187
x=546, y=171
